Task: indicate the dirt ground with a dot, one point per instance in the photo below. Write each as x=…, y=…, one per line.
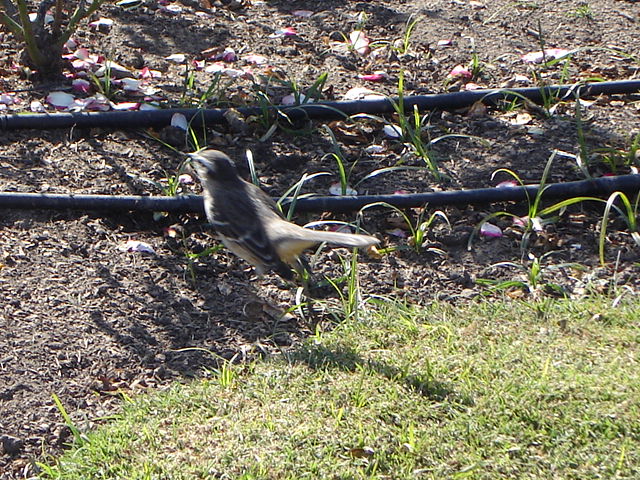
x=87, y=321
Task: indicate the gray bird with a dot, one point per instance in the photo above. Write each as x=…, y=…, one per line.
x=249, y=223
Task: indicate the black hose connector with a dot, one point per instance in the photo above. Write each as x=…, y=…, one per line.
x=596, y=187
x=318, y=111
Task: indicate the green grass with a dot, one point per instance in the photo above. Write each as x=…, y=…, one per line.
x=491, y=390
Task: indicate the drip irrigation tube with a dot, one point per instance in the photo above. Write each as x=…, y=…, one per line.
x=193, y=204
x=319, y=111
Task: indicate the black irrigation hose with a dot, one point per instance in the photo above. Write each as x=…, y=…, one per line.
x=324, y=111
x=192, y=203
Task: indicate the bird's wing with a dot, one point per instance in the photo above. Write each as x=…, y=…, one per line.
x=236, y=219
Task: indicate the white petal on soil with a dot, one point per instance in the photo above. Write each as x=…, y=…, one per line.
x=180, y=121
x=131, y=84
x=336, y=189
x=107, y=22
x=136, y=246
x=60, y=99
x=392, y=131
x=36, y=106
x=375, y=149
x=176, y=57
x=361, y=93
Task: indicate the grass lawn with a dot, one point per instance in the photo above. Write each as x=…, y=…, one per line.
x=491, y=390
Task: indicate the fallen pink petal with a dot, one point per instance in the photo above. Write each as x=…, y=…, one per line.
x=373, y=77
x=507, y=184
x=81, y=85
x=146, y=73
x=460, y=72
x=490, y=230
x=228, y=55
x=359, y=42
x=284, y=32
x=185, y=179
x=126, y=106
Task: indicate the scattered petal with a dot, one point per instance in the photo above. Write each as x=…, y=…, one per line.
x=60, y=100
x=199, y=64
x=8, y=99
x=228, y=55
x=521, y=78
x=70, y=44
x=302, y=13
x=507, y=184
x=136, y=246
x=375, y=149
x=176, y=57
x=548, y=54
x=522, y=118
x=149, y=106
x=185, y=179
x=460, y=72
x=127, y=4
x=536, y=223
x=490, y=230
x=400, y=192
x=81, y=85
x=472, y=86
x=336, y=189
x=359, y=42
x=392, y=131
x=126, y=106
x=291, y=99
x=373, y=77
x=445, y=43
x=131, y=84
x=284, y=32
x=113, y=69
x=361, y=93
x=255, y=59
x=397, y=232
x=146, y=73
x=102, y=24
x=180, y=121
x=520, y=221
x=37, y=106
x=172, y=8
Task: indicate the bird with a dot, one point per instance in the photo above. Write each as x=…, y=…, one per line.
x=249, y=223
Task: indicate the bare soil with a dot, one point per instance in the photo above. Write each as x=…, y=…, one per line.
x=85, y=321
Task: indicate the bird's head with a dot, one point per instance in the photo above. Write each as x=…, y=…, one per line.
x=213, y=165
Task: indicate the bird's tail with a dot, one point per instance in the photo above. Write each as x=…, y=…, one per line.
x=342, y=239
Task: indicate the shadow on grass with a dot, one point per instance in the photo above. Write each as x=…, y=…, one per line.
x=320, y=357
